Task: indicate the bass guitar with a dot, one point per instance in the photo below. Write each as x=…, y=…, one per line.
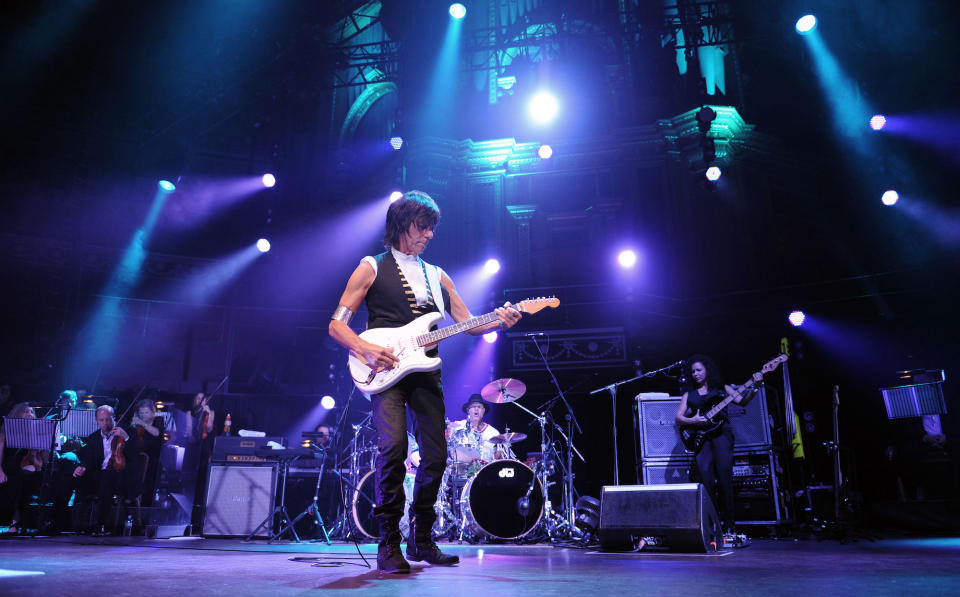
x=693, y=436
x=411, y=342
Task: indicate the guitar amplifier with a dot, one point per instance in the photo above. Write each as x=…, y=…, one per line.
x=239, y=498
x=659, y=436
x=229, y=448
x=670, y=470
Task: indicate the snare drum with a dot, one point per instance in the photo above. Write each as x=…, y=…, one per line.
x=490, y=501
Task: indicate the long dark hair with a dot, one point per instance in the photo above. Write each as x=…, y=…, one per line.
x=714, y=378
x=414, y=206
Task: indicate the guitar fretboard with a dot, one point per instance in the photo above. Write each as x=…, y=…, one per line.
x=452, y=330
x=723, y=403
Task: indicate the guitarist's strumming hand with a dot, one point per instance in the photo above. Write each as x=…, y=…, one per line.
x=698, y=419
x=378, y=357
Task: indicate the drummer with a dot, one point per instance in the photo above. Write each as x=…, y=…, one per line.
x=473, y=432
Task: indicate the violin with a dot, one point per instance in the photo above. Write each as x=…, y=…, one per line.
x=118, y=460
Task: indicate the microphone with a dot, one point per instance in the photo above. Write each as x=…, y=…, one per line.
x=531, y=334
x=523, y=506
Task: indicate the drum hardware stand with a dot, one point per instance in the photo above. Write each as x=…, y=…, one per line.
x=612, y=388
x=312, y=508
x=284, y=463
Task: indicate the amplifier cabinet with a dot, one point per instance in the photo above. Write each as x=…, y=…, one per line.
x=239, y=498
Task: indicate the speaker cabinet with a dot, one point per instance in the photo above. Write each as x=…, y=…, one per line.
x=239, y=498
x=680, y=515
x=674, y=470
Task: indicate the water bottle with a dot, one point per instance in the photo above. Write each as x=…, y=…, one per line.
x=226, y=425
x=128, y=526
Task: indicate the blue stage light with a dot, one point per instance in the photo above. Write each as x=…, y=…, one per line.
x=713, y=173
x=395, y=195
x=878, y=122
x=166, y=186
x=396, y=142
x=543, y=107
x=263, y=245
x=492, y=266
x=627, y=258
x=269, y=180
x=806, y=24
x=545, y=152
x=457, y=10
x=890, y=197
x=796, y=318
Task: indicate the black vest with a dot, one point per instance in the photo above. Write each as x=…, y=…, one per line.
x=390, y=300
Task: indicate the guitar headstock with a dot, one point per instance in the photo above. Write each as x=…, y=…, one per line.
x=531, y=306
x=773, y=363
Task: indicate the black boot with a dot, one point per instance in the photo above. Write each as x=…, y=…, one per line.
x=389, y=555
x=420, y=544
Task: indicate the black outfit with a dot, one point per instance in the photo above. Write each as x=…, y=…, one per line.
x=715, y=457
x=391, y=304
x=106, y=483
x=150, y=445
x=20, y=486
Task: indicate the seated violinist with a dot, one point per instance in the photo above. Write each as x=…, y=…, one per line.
x=19, y=472
x=109, y=464
x=148, y=432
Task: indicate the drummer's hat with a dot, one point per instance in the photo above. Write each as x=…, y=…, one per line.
x=475, y=399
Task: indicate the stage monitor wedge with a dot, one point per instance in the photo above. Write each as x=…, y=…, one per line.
x=681, y=516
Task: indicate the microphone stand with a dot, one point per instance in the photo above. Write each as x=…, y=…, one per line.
x=612, y=388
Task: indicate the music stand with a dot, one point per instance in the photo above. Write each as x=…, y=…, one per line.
x=30, y=434
x=78, y=422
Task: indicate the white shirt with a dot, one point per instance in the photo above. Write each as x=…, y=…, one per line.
x=107, y=450
x=412, y=267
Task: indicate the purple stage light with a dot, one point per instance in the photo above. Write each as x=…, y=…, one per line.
x=713, y=173
x=492, y=266
x=269, y=180
x=545, y=152
x=396, y=142
x=627, y=258
x=878, y=122
x=890, y=197
x=543, y=107
x=263, y=245
x=490, y=337
x=395, y=195
x=328, y=402
x=796, y=318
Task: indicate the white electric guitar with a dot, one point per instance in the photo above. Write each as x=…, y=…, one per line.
x=411, y=342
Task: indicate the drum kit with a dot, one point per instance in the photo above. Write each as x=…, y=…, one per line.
x=479, y=500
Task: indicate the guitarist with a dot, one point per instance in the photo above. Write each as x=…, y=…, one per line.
x=398, y=287
x=714, y=458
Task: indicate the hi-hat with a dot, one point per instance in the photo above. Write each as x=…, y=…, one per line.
x=508, y=438
x=503, y=390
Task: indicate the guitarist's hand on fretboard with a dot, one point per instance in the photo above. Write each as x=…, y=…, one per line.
x=698, y=419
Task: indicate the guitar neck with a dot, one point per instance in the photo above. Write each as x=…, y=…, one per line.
x=452, y=330
x=723, y=403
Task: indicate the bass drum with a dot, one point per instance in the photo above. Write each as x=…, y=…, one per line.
x=364, y=499
x=490, y=501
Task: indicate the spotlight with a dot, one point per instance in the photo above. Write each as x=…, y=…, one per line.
x=490, y=337
x=492, y=266
x=263, y=245
x=796, y=318
x=806, y=24
x=545, y=152
x=627, y=258
x=543, y=107
x=328, y=402
x=166, y=186
x=396, y=142
x=890, y=197
x=457, y=10
x=395, y=195
x=713, y=173
x=878, y=122
x=269, y=180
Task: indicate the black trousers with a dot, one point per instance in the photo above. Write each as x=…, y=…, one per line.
x=715, y=464
x=422, y=395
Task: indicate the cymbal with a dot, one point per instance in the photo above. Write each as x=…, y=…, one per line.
x=503, y=390
x=508, y=438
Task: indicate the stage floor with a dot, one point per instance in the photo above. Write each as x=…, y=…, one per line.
x=183, y=567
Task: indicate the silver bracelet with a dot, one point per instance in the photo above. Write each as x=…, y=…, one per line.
x=343, y=313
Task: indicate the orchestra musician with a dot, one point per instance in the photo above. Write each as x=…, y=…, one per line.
x=199, y=451
x=714, y=458
x=398, y=286
x=20, y=472
x=148, y=434
x=109, y=464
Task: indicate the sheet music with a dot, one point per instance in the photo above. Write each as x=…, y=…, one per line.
x=30, y=434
